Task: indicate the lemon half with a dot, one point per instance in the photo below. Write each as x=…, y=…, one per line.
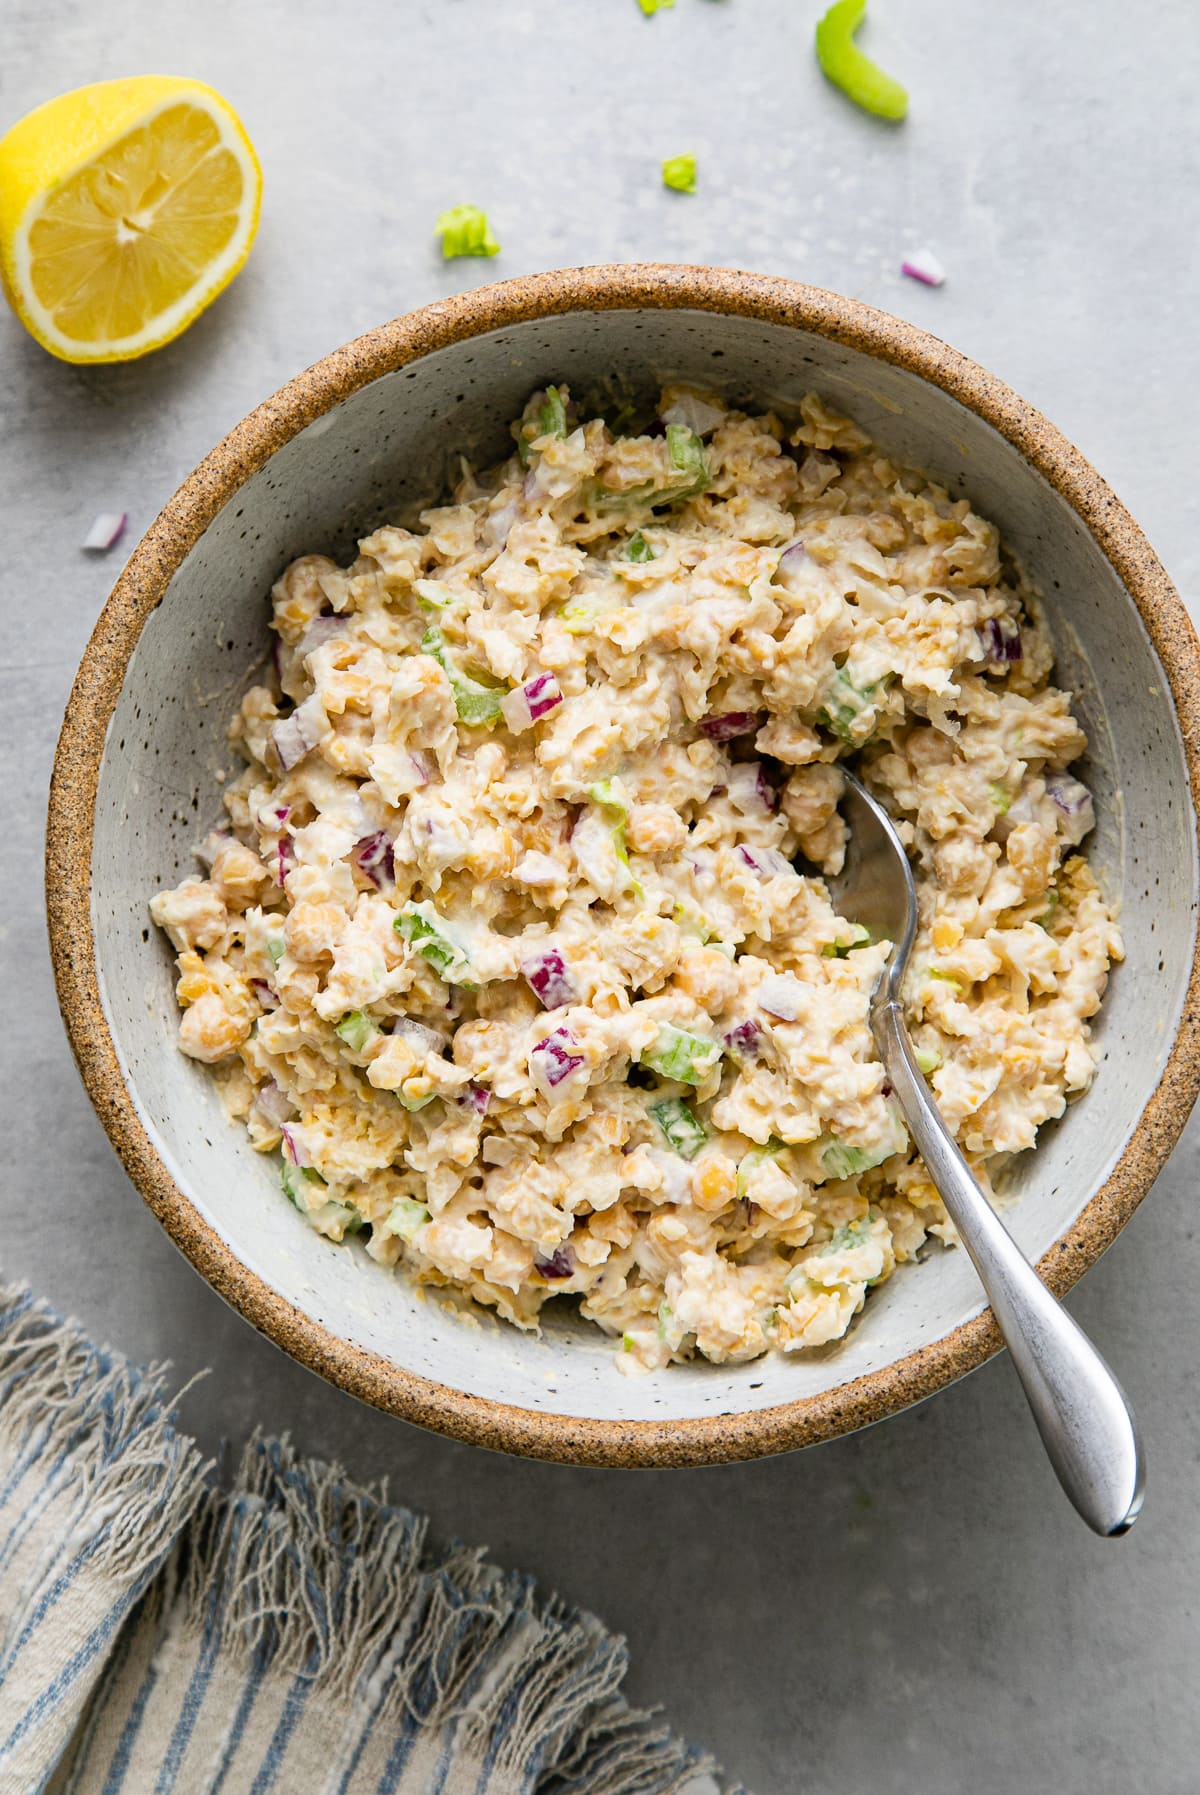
x=125, y=208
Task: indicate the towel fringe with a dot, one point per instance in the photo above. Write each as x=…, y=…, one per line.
x=303, y=1572
x=87, y=1415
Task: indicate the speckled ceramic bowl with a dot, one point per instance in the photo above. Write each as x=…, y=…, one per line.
x=361, y=438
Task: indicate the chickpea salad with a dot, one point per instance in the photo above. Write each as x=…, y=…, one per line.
x=515, y=946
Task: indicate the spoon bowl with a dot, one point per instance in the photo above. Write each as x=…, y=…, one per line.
x=1081, y=1412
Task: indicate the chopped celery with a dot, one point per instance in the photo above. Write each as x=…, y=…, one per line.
x=928, y=1059
x=433, y=595
x=406, y=1217
x=690, y=462
x=415, y=1103
x=664, y=1319
x=465, y=231
x=691, y=922
x=679, y=173
x=477, y=705
x=947, y=978
x=843, y=63
x=750, y=1162
x=844, y=706
x=685, y=1057
x=294, y=1178
x=837, y=950
x=1047, y=917
x=550, y=419
x=849, y=1235
x=1001, y=797
x=638, y=549
x=580, y=615
x=356, y=1029
x=605, y=794
x=687, y=454
x=627, y=1343
x=841, y=1160
x=277, y=948
x=679, y=1126
x=428, y=935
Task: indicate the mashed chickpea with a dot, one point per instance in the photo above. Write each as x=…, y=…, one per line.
x=516, y=945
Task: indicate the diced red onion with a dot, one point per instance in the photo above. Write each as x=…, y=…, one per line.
x=527, y=704
x=793, y=556
x=780, y=995
x=547, y=977
x=693, y=412
x=744, y=1040
x=560, y=1264
x=295, y=736
x=265, y=992
x=294, y=1149
x=106, y=530
x=766, y=862
x=730, y=725
x=501, y=522
x=423, y=766
x=275, y=1105
x=375, y=858
x=285, y=859
x=476, y=1097
x=924, y=266
x=1073, y=801
x=429, y=1040
x=1001, y=638
x=750, y=791
x=747, y=858
x=319, y=631
x=551, y=1061
x=211, y=846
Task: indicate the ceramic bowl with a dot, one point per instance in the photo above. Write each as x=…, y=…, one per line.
x=367, y=435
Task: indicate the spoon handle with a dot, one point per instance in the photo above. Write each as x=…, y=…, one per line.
x=1085, y=1422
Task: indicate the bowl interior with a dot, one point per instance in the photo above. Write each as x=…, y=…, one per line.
x=378, y=455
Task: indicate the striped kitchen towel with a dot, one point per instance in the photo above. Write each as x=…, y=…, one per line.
x=294, y=1634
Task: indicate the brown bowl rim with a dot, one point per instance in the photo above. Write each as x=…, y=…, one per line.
x=141, y=586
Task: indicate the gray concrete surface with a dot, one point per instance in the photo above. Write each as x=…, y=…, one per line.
x=912, y=1611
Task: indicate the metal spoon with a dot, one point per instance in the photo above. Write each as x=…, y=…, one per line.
x=1085, y=1422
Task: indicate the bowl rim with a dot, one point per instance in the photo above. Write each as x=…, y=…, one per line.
x=70, y=825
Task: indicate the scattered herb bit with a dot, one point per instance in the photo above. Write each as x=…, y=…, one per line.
x=925, y=267
x=1001, y=797
x=843, y=63
x=465, y=231
x=679, y=173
